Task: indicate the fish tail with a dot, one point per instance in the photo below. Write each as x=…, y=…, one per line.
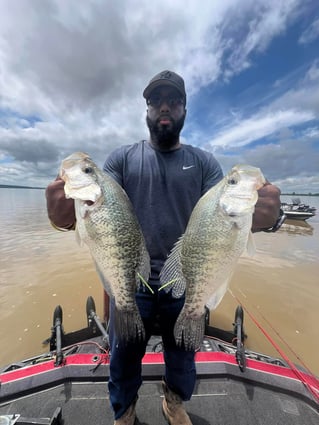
x=129, y=325
x=189, y=331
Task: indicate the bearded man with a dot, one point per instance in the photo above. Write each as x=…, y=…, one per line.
x=164, y=179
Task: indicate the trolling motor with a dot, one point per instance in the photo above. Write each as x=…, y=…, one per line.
x=60, y=339
x=94, y=322
x=240, y=338
x=57, y=335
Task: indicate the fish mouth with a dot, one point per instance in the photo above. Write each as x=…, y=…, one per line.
x=88, y=202
x=87, y=194
x=245, y=197
x=238, y=210
x=86, y=207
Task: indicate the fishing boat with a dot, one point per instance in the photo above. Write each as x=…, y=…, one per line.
x=67, y=385
x=296, y=210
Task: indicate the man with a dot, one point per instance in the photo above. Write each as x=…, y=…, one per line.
x=164, y=180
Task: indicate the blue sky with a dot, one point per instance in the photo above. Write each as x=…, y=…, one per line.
x=72, y=75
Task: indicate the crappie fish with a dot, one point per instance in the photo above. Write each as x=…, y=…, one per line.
x=106, y=223
x=202, y=261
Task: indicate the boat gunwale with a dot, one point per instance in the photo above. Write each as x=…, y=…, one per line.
x=84, y=367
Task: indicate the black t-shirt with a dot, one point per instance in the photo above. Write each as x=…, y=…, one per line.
x=163, y=187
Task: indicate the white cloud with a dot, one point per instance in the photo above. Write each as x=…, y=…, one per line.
x=298, y=184
x=72, y=73
x=259, y=126
x=290, y=163
x=256, y=28
x=291, y=123
x=68, y=56
x=298, y=105
x=311, y=33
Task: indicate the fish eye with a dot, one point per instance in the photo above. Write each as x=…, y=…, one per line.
x=232, y=181
x=88, y=170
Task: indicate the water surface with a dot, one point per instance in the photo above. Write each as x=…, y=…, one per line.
x=41, y=268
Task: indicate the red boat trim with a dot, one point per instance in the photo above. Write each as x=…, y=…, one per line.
x=26, y=371
x=32, y=370
x=157, y=358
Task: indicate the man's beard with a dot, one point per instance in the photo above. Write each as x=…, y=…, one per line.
x=164, y=136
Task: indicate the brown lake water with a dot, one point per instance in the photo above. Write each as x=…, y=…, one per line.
x=41, y=268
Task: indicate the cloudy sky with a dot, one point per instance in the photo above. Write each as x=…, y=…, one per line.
x=72, y=74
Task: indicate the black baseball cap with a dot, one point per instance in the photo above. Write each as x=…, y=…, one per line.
x=165, y=78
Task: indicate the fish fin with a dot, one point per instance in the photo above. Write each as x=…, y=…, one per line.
x=188, y=331
x=171, y=276
x=218, y=295
x=105, y=283
x=144, y=269
x=78, y=237
x=129, y=325
x=251, y=247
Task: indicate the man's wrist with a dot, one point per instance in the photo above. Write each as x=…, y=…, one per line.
x=282, y=217
x=63, y=229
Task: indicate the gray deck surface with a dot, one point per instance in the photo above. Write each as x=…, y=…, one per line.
x=215, y=401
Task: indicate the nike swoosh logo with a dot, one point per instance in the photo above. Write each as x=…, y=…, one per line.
x=187, y=167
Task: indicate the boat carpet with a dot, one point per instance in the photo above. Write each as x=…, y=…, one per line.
x=217, y=401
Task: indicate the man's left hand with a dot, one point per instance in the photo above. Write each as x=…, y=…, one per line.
x=267, y=208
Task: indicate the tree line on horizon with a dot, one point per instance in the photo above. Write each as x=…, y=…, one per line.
x=10, y=186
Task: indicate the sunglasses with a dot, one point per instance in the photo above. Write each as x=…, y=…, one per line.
x=156, y=101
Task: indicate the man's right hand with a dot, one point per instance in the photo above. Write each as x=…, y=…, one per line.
x=60, y=210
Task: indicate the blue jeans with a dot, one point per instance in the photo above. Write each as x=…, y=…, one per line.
x=126, y=358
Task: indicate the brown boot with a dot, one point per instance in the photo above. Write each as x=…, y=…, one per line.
x=129, y=416
x=173, y=409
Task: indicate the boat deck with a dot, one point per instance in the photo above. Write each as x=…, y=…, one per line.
x=42, y=391
x=216, y=401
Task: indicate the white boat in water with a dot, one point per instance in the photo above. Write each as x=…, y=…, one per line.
x=296, y=210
